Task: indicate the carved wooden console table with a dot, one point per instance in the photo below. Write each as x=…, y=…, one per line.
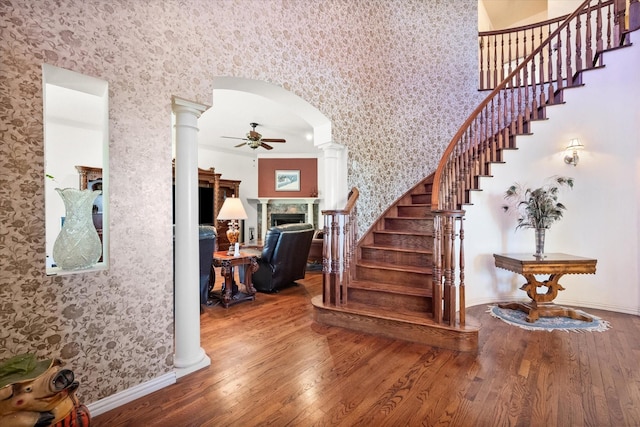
x=555, y=265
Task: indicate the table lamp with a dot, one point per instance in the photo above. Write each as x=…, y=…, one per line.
x=232, y=210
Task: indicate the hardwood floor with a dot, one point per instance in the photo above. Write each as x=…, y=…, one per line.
x=272, y=365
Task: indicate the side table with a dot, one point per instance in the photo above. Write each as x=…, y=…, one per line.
x=555, y=265
x=227, y=263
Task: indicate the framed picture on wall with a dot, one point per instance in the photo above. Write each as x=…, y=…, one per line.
x=287, y=180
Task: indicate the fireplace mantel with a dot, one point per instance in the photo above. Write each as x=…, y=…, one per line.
x=266, y=203
x=281, y=200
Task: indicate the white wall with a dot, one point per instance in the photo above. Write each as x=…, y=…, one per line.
x=602, y=217
x=561, y=7
x=484, y=21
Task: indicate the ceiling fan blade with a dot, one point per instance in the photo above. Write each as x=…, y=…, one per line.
x=266, y=146
x=233, y=137
x=240, y=145
x=273, y=140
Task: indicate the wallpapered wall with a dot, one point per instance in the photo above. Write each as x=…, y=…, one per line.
x=396, y=78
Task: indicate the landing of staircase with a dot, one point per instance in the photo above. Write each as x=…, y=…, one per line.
x=408, y=327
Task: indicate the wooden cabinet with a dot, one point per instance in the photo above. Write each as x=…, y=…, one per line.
x=211, y=201
x=226, y=188
x=91, y=178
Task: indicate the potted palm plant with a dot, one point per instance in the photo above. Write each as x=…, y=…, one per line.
x=537, y=208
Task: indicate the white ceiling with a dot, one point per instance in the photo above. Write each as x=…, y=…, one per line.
x=231, y=113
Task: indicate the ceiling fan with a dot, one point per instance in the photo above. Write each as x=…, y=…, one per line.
x=255, y=140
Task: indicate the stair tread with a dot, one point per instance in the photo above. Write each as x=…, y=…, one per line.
x=404, y=233
x=392, y=288
x=397, y=249
x=409, y=217
x=381, y=313
x=396, y=267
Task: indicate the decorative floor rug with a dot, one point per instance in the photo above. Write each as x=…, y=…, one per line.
x=518, y=318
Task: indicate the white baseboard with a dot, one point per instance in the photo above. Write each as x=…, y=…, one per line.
x=130, y=394
x=203, y=363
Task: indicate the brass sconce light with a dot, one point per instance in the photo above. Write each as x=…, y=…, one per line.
x=571, y=158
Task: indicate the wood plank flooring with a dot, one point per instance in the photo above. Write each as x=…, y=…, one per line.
x=272, y=365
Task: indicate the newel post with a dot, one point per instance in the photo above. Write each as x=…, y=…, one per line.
x=448, y=255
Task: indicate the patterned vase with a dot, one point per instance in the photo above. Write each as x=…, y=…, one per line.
x=540, y=242
x=78, y=245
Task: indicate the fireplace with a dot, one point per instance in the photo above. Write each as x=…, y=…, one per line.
x=286, y=210
x=286, y=218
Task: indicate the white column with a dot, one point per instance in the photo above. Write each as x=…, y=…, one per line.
x=263, y=218
x=188, y=356
x=335, y=186
x=310, y=218
x=319, y=219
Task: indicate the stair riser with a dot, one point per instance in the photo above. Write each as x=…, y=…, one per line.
x=404, y=241
x=416, y=259
x=393, y=276
x=453, y=339
x=418, y=225
x=421, y=198
x=408, y=304
x=414, y=211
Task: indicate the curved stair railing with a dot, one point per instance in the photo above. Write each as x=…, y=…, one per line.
x=535, y=82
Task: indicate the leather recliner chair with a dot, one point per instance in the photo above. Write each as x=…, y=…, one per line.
x=207, y=235
x=283, y=259
x=317, y=245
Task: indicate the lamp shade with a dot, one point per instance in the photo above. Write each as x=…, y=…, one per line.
x=232, y=209
x=575, y=144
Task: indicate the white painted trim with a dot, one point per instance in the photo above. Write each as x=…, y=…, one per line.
x=131, y=394
x=205, y=362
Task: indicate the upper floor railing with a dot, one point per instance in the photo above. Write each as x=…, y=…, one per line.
x=501, y=51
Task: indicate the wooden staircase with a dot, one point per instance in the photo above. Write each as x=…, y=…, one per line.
x=405, y=277
x=390, y=293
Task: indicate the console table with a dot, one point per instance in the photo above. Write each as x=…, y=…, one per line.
x=227, y=263
x=555, y=265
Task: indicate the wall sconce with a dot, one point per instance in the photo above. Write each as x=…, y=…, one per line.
x=573, y=147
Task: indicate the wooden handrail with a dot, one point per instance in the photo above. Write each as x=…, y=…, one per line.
x=533, y=26
x=351, y=203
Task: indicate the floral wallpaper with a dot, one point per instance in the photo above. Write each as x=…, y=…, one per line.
x=396, y=78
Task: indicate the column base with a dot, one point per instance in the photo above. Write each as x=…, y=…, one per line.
x=201, y=363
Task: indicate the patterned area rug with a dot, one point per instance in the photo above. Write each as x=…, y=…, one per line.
x=517, y=318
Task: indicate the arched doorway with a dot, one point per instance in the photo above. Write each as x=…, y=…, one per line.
x=332, y=158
